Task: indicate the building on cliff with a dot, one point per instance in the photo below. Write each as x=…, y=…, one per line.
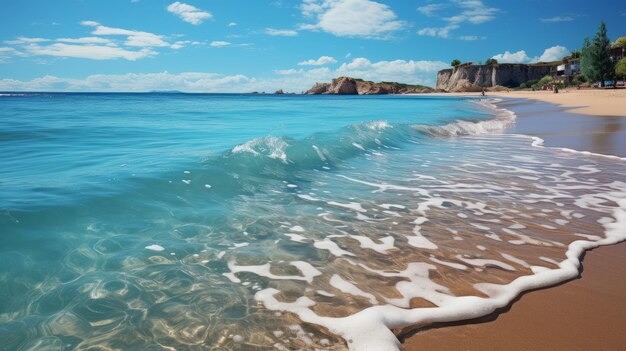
x=469, y=77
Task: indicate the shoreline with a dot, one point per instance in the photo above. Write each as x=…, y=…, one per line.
x=582, y=313
x=592, y=102
x=576, y=313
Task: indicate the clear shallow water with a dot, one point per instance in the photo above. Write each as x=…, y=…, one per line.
x=147, y=221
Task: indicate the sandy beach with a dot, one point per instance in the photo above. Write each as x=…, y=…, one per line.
x=586, y=313
x=595, y=102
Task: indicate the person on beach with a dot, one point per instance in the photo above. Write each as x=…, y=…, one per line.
x=483, y=92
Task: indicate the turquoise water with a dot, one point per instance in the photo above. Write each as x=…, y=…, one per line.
x=159, y=221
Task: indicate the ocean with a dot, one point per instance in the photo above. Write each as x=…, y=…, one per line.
x=238, y=222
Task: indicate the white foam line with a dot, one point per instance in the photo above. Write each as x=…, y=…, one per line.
x=385, y=187
x=345, y=286
x=369, y=329
x=308, y=271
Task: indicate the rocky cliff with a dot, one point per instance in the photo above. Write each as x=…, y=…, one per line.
x=477, y=77
x=352, y=86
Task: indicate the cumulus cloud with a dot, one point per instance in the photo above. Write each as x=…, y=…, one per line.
x=467, y=12
x=232, y=24
x=323, y=60
x=189, y=13
x=430, y=9
x=513, y=57
x=474, y=12
x=557, y=19
x=281, y=32
x=133, y=37
x=106, y=43
x=554, y=53
x=351, y=18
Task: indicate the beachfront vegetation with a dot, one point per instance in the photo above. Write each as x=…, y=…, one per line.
x=620, y=68
x=620, y=42
x=595, y=59
x=455, y=62
x=545, y=80
x=529, y=84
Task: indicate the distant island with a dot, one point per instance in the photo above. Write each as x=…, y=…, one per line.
x=356, y=86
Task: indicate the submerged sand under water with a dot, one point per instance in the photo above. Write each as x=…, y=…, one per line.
x=451, y=223
x=433, y=238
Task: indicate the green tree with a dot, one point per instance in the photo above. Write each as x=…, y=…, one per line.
x=491, y=61
x=596, y=61
x=455, y=63
x=585, y=66
x=620, y=68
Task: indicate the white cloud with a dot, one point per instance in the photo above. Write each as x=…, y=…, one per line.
x=6, y=53
x=474, y=12
x=133, y=37
x=513, y=57
x=94, y=52
x=557, y=19
x=90, y=23
x=472, y=37
x=348, y=55
x=188, y=82
x=430, y=9
x=232, y=24
x=416, y=72
x=323, y=60
x=443, y=32
x=351, y=18
x=25, y=40
x=182, y=43
x=471, y=12
x=220, y=43
x=554, y=53
x=188, y=13
x=85, y=40
x=281, y=32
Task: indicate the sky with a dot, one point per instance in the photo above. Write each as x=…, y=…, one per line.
x=256, y=45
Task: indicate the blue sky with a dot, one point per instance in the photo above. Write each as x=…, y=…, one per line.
x=255, y=45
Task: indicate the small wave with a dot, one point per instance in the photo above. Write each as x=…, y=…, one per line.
x=272, y=147
x=504, y=118
x=378, y=125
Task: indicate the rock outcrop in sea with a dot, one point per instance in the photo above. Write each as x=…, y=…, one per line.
x=470, y=77
x=354, y=86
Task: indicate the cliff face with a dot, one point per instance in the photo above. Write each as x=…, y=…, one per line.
x=351, y=86
x=477, y=77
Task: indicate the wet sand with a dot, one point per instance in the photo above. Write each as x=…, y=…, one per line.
x=595, y=102
x=587, y=313
x=597, y=134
